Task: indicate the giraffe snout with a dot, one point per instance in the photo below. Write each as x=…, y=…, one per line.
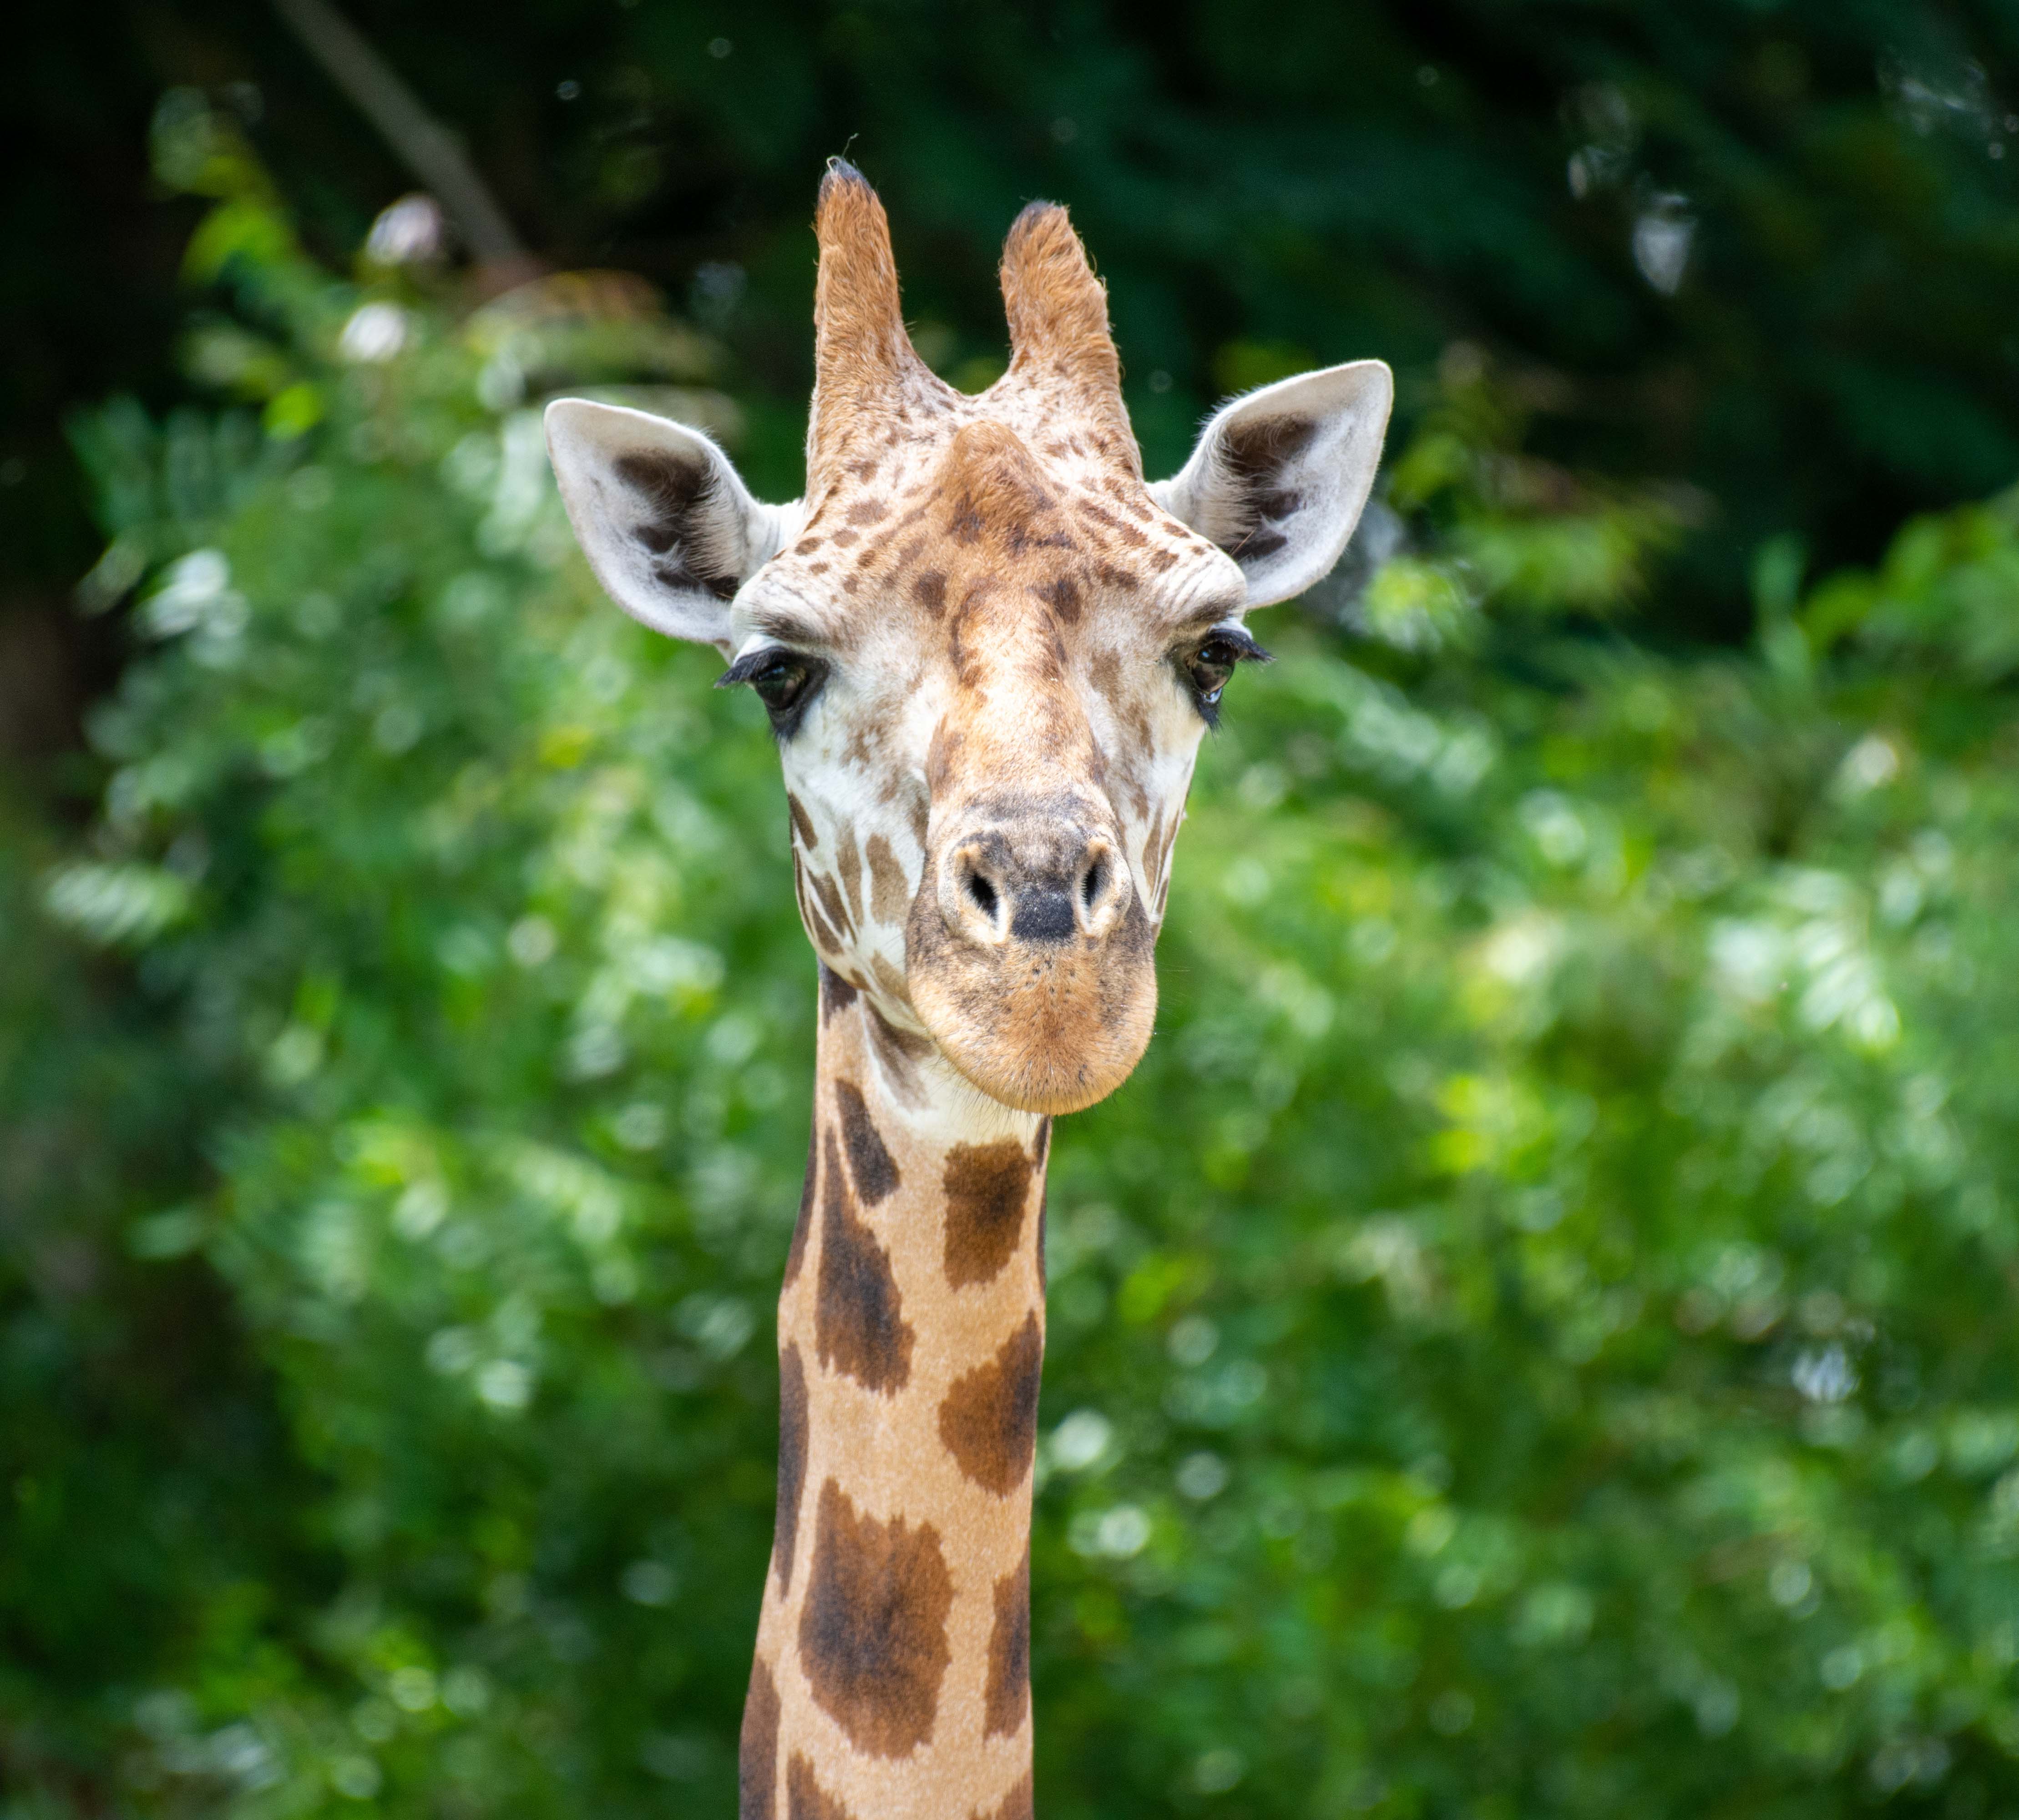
x=1028, y=955
x=1042, y=885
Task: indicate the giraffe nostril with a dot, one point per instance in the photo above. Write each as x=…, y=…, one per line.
x=1091, y=882
x=983, y=893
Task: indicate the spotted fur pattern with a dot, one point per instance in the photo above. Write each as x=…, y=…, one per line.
x=996, y=600
x=894, y=1652
x=984, y=777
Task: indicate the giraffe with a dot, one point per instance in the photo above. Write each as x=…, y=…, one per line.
x=988, y=652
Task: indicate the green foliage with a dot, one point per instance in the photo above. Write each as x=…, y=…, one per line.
x=1533, y=1338
x=1948, y=592
x=151, y=1492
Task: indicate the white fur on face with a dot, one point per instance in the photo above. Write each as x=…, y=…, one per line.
x=856, y=768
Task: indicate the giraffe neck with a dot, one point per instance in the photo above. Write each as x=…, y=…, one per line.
x=892, y=1678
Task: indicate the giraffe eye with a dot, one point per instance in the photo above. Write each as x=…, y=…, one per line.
x=1207, y=667
x=784, y=682
x=1211, y=666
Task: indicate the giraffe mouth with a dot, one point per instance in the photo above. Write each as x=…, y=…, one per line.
x=1037, y=983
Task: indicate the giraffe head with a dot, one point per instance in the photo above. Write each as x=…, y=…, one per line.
x=988, y=649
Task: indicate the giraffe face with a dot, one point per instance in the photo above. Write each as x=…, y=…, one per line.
x=988, y=651
x=997, y=662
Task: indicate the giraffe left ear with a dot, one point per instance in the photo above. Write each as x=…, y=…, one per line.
x=1279, y=476
x=663, y=516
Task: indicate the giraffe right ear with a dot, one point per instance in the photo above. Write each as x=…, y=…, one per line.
x=1278, y=477
x=665, y=519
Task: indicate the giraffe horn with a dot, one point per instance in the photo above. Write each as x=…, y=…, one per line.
x=1059, y=335
x=862, y=357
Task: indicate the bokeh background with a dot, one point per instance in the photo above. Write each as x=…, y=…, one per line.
x=1536, y=1335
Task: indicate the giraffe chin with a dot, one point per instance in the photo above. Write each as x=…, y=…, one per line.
x=1051, y=1028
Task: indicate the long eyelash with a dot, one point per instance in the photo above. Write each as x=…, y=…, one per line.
x=749, y=665
x=1251, y=652
x=753, y=663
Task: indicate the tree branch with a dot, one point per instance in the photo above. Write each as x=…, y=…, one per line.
x=428, y=148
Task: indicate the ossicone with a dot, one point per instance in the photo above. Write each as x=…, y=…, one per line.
x=1059, y=337
x=864, y=362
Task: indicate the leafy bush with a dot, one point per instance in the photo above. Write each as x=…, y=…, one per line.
x=1533, y=1337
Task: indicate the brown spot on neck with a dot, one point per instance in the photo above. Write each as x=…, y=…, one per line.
x=757, y=1748
x=1016, y=1805
x=859, y=1324
x=795, y=1254
x=988, y=1419
x=869, y=1161
x=986, y=1186
x=1007, y=1696
x=836, y=994
x=793, y=1437
x=873, y=1631
x=805, y=1798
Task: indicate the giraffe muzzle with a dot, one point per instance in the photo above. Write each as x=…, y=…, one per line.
x=1029, y=957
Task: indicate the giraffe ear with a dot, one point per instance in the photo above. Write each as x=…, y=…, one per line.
x=1279, y=476
x=665, y=519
